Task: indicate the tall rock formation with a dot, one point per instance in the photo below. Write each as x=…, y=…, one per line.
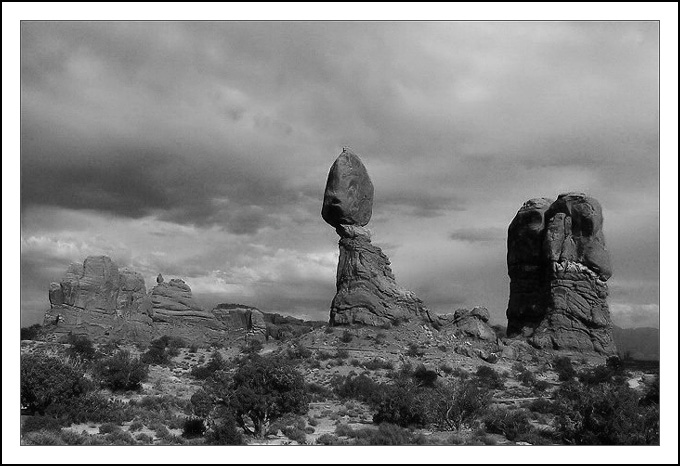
x=558, y=266
x=367, y=291
x=100, y=300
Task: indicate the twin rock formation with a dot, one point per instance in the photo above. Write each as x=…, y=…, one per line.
x=558, y=266
x=557, y=262
x=105, y=302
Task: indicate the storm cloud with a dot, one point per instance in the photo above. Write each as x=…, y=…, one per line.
x=201, y=149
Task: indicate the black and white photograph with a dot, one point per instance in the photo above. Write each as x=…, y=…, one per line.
x=265, y=234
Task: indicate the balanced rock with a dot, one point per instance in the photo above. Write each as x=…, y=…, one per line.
x=367, y=292
x=348, y=198
x=558, y=266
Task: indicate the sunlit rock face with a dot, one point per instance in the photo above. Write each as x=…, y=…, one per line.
x=558, y=266
x=367, y=292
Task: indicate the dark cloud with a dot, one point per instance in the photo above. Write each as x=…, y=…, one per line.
x=201, y=149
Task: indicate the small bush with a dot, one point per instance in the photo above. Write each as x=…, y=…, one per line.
x=73, y=438
x=564, y=369
x=193, y=427
x=144, y=438
x=253, y=347
x=489, y=378
x=318, y=392
x=526, y=378
x=424, y=377
x=120, y=438
x=341, y=354
x=443, y=348
x=135, y=426
x=343, y=430
x=312, y=422
x=346, y=336
x=541, y=386
x=329, y=439
x=295, y=434
x=81, y=347
x=108, y=428
x=216, y=363
x=509, y=423
x=122, y=372
x=414, y=350
x=193, y=348
x=446, y=369
x=31, y=333
x=42, y=438
x=36, y=423
x=328, y=330
x=224, y=432
x=377, y=363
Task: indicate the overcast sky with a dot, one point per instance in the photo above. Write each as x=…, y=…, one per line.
x=201, y=151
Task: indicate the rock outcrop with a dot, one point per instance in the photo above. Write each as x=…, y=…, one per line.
x=100, y=300
x=558, y=266
x=243, y=319
x=367, y=292
x=471, y=323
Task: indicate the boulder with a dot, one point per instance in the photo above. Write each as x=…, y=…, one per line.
x=348, y=197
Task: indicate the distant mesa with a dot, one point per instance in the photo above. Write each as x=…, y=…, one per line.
x=105, y=302
x=367, y=292
x=558, y=266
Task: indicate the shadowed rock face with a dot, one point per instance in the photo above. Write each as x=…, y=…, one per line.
x=348, y=198
x=367, y=291
x=558, y=266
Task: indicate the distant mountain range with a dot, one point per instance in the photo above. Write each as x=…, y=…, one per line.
x=639, y=343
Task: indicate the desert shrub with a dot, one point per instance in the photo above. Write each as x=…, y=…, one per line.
x=298, y=351
x=162, y=350
x=122, y=371
x=36, y=423
x=651, y=395
x=160, y=429
x=489, y=378
x=460, y=373
x=120, y=438
x=329, y=439
x=253, y=346
x=443, y=348
x=541, y=386
x=81, y=347
x=216, y=363
x=386, y=434
x=193, y=427
x=424, y=377
x=193, y=348
x=510, y=423
x=564, y=369
x=31, y=333
x=144, y=438
x=135, y=426
x=328, y=330
x=224, y=432
x=358, y=387
x=414, y=350
x=404, y=404
x=324, y=355
x=46, y=380
x=312, y=422
x=91, y=407
x=518, y=367
x=527, y=378
x=377, y=363
x=341, y=354
x=605, y=414
x=346, y=336
x=446, y=369
x=295, y=434
x=343, y=430
x=261, y=390
x=542, y=406
x=108, y=427
x=318, y=392
x=73, y=438
x=460, y=403
x=611, y=371
x=42, y=438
